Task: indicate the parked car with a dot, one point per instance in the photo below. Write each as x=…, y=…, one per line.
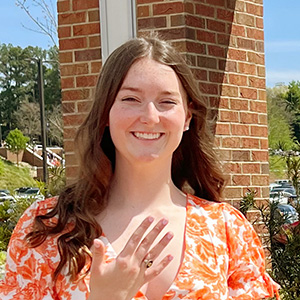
x=287, y=212
x=5, y=196
x=29, y=192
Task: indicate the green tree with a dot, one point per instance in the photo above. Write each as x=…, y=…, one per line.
x=281, y=134
x=16, y=142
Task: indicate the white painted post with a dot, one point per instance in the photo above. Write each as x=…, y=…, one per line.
x=117, y=22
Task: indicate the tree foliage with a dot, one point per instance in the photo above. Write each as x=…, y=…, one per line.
x=16, y=142
x=281, y=134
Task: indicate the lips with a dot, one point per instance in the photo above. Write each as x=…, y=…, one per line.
x=147, y=136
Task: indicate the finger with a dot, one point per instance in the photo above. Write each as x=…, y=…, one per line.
x=152, y=272
x=98, y=254
x=147, y=242
x=157, y=249
x=136, y=237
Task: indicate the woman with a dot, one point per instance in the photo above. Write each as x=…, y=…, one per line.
x=130, y=228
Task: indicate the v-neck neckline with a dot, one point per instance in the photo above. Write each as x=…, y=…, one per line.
x=111, y=253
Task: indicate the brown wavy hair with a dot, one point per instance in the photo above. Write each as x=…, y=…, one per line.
x=195, y=167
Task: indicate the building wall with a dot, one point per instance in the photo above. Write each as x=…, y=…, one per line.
x=223, y=40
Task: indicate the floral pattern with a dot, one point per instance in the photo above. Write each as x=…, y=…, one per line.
x=223, y=259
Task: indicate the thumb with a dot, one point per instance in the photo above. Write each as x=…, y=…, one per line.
x=98, y=254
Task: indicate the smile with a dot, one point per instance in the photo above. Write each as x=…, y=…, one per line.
x=147, y=136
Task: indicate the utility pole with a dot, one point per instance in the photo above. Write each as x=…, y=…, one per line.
x=42, y=115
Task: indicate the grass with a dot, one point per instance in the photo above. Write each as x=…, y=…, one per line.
x=12, y=176
x=277, y=167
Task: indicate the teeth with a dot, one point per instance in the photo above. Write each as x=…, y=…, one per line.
x=147, y=136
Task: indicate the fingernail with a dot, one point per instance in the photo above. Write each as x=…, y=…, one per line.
x=170, y=235
x=170, y=257
x=150, y=219
x=164, y=221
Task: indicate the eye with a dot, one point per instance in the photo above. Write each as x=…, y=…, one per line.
x=130, y=99
x=169, y=102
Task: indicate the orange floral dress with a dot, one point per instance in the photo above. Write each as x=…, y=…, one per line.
x=223, y=260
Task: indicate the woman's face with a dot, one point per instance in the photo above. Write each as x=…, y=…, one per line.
x=149, y=114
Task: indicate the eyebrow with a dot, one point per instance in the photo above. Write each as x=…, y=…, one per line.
x=137, y=89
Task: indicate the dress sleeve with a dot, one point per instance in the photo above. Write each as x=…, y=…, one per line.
x=247, y=278
x=27, y=271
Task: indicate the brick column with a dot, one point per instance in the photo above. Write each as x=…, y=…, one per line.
x=223, y=41
x=80, y=62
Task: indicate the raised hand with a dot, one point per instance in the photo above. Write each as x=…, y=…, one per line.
x=122, y=278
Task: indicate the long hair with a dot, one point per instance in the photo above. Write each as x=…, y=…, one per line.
x=195, y=168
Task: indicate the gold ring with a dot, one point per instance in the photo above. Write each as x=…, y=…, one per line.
x=148, y=263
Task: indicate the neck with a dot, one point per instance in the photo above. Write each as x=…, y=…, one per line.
x=142, y=186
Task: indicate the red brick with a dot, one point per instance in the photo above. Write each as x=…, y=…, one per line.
x=248, y=118
x=260, y=155
x=257, y=58
x=230, y=66
x=237, y=54
x=178, y=20
x=207, y=62
x=206, y=36
x=258, y=106
x=200, y=74
x=204, y=10
x=84, y=5
x=240, y=155
x=256, y=34
x=228, y=116
x=216, y=51
x=251, y=168
x=245, y=19
x=143, y=11
x=84, y=106
x=245, y=68
x=68, y=107
x=238, y=30
x=86, y=81
x=87, y=55
x=71, y=173
x=71, y=159
x=239, y=80
x=233, y=192
x=86, y=29
x=94, y=41
x=229, y=91
x=74, y=69
x=96, y=66
x=64, y=32
x=69, y=146
x=168, y=8
x=223, y=39
x=264, y=144
x=70, y=120
x=231, y=142
x=253, y=9
x=241, y=180
x=75, y=43
x=63, y=6
x=71, y=18
x=147, y=23
x=223, y=129
x=260, y=180
x=240, y=129
x=71, y=95
x=246, y=44
x=93, y=16
x=189, y=8
x=67, y=83
x=195, y=21
x=216, y=77
x=209, y=88
x=65, y=57
x=259, y=23
x=260, y=46
x=148, y=1
x=224, y=154
x=261, y=71
x=216, y=25
x=250, y=143
x=257, y=82
x=239, y=104
x=262, y=119
x=261, y=131
x=216, y=2
x=232, y=168
x=194, y=47
x=70, y=132
x=248, y=93
x=225, y=14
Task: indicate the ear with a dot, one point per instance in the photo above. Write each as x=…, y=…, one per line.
x=187, y=119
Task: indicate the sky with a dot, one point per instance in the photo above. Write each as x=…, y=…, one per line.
x=281, y=22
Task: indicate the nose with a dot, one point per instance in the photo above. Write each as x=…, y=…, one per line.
x=150, y=114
